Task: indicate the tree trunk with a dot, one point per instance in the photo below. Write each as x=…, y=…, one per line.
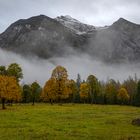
x=92, y=100
x=3, y=103
x=11, y=101
x=33, y=101
x=51, y=101
x=25, y=99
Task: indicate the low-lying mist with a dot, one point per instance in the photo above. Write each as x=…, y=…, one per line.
x=36, y=69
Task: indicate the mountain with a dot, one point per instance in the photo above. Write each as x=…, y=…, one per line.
x=41, y=36
x=117, y=43
x=75, y=25
x=45, y=37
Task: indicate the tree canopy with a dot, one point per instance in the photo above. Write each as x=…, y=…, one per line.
x=123, y=96
x=9, y=89
x=93, y=88
x=15, y=70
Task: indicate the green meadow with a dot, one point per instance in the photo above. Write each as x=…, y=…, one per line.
x=69, y=122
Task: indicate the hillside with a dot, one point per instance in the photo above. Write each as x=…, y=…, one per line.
x=45, y=37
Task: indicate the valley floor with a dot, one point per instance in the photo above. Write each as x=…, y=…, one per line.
x=69, y=122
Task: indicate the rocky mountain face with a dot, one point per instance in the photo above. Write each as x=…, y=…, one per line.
x=41, y=36
x=75, y=25
x=119, y=42
x=46, y=37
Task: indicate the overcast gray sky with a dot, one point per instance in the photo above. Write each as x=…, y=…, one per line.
x=95, y=12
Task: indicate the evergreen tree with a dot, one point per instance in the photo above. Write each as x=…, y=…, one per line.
x=26, y=94
x=94, y=88
x=78, y=81
x=137, y=96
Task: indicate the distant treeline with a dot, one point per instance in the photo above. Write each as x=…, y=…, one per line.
x=60, y=89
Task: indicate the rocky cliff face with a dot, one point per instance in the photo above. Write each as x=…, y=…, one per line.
x=40, y=36
x=75, y=25
x=117, y=43
x=46, y=37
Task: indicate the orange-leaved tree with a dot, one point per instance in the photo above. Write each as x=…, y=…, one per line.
x=9, y=89
x=123, y=95
x=111, y=89
x=61, y=77
x=84, y=92
x=72, y=90
x=49, y=92
x=56, y=87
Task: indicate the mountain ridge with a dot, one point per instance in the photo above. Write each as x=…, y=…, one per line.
x=47, y=37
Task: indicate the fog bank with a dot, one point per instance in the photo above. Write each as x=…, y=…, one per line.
x=35, y=69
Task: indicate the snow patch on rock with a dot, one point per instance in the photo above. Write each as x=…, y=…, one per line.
x=75, y=25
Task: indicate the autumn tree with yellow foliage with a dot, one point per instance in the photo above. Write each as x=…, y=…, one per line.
x=72, y=90
x=61, y=77
x=49, y=92
x=123, y=96
x=9, y=89
x=111, y=89
x=56, y=88
x=84, y=92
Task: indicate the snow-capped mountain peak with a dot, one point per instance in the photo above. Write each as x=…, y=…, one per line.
x=67, y=18
x=75, y=25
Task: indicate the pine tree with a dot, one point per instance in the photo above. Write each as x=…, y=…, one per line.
x=137, y=96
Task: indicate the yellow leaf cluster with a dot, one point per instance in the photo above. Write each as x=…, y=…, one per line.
x=9, y=88
x=55, y=89
x=50, y=90
x=59, y=73
x=84, y=91
x=123, y=95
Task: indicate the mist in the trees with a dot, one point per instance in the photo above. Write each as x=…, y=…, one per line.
x=40, y=69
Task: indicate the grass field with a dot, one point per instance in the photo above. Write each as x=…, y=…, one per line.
x=69, y=122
